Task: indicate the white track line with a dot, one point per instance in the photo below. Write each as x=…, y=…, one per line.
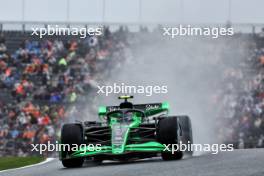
x=38, y=164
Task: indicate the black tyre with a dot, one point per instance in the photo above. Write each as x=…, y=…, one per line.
x=97, y=160
x=71, y=134
x=167, y=133
x=168, y=156
x=186, y=128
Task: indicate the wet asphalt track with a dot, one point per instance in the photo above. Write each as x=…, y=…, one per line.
x=236, y=163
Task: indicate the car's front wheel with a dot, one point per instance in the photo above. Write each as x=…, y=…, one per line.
x=71, y=134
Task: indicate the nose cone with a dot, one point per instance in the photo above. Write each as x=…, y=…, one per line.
x=119, y=138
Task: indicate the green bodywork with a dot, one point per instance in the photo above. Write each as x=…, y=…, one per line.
x=125, y=127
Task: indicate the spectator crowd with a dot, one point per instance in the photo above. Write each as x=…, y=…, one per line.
x=241, y=98
x=44, y=82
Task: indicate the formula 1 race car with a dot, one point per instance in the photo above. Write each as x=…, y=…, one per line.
x=125, y=132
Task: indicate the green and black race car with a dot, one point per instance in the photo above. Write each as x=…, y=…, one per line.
x=125, y=132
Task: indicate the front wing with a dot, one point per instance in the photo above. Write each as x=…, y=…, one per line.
x=154, y=147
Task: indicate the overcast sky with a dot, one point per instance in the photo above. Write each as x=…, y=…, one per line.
x=197, y=11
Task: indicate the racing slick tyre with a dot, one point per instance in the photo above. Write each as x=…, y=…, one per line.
x=186, y=128
x=71, y=134
x=167, y=133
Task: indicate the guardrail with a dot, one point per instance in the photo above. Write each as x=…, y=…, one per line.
x=23, y=25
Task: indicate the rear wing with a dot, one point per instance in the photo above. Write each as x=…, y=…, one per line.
x=149, y=109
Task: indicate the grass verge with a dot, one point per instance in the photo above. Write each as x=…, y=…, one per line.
x=15, y=162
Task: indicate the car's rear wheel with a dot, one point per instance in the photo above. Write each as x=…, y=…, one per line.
x=167, y=133
x=71, y=134
x=186, y=127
